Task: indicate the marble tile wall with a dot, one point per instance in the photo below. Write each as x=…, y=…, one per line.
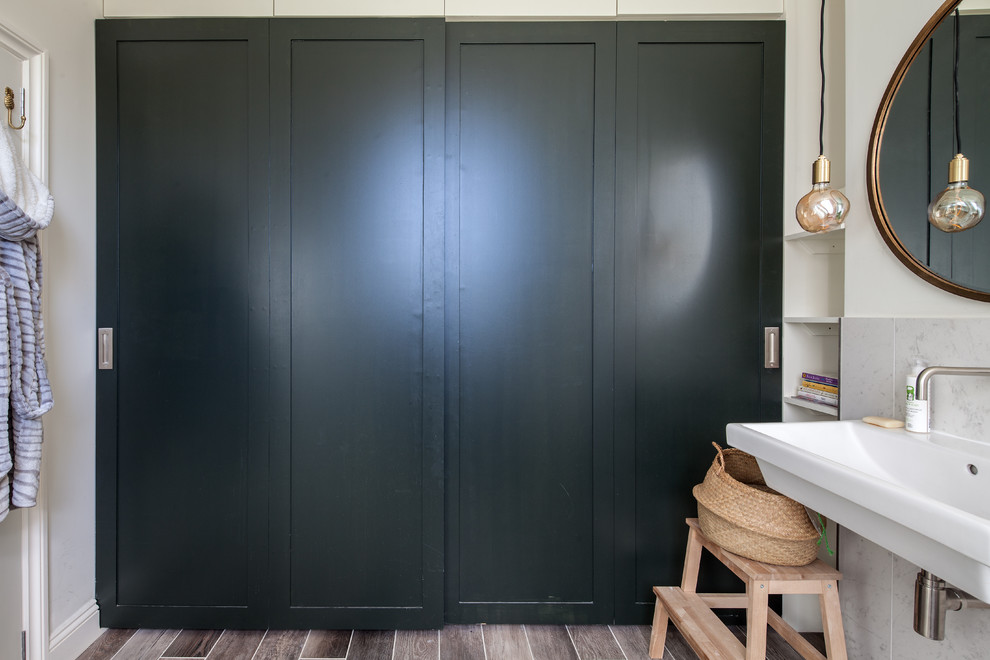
x=878, y=587
x=960, y=404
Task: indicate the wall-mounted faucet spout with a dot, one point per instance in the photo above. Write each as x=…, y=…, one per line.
x=925, y=376
x=918, y=412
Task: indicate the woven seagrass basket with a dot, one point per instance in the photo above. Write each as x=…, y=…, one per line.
x=740, y=513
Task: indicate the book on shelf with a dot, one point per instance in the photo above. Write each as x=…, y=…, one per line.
x=817, y=378
x=821, y=387
x=809, y=395
x=828, y=396
x=820, y=400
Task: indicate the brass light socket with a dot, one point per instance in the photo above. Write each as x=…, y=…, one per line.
x=820, y=170
x=958, y=169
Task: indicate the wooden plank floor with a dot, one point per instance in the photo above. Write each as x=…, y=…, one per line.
x=473, y=642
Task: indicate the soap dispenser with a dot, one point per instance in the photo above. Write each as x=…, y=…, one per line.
x=915, y=411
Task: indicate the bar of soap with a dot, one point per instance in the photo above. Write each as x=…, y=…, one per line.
x=884, y=422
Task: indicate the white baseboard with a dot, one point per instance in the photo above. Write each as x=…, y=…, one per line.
x=70, y=639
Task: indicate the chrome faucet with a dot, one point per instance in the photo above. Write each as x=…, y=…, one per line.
x=918, y=413
x=927, y=374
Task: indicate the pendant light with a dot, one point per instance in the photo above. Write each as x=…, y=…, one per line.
x=824, y=208
x=958, y=207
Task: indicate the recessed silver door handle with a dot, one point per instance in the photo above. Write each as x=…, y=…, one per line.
x=105, y=348
x=771, y=348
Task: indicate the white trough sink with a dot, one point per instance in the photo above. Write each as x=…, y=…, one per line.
x=923, y=496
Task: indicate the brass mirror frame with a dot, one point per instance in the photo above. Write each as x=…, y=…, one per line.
x=873, y=165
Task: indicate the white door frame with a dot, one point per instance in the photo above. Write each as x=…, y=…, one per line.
x=34, y=532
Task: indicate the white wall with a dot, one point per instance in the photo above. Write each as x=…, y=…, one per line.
x=878, y=32
x=801, y=105
x=65, y=30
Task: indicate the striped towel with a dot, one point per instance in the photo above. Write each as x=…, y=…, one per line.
x=6, y=458
x=25, y=393
x=30, y=392
x=22, y=185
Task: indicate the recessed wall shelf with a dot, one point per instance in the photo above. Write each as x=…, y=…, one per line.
x=811, y=405
x=819, y=326
x=833, y=242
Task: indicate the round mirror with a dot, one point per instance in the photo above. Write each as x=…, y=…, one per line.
x=913, y=141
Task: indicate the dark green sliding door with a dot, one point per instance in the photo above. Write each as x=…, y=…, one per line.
x=357, y=456
x=529, y=317
x=270, y=449
x=183, y=281
x=698, y=271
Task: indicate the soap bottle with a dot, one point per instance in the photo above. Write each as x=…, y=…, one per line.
x=915, y=411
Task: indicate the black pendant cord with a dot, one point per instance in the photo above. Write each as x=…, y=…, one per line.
x=821, y=63
x=955, y=82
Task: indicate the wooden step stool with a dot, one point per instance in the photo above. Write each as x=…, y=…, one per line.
x=708, y=636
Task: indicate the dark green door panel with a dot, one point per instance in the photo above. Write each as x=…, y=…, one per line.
x=357, y=250
x=698, y=254
x=183, y=280
x=357, y=330
x=529, y=307
x=344, y=526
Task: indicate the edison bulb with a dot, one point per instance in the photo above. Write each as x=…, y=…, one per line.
x=824, y=208
x=958, y=207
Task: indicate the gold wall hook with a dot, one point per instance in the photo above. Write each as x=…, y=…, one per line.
x=8, y=102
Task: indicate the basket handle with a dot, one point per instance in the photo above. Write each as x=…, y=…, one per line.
x=719, y=458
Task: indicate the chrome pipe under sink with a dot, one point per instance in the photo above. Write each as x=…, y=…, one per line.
x=932, y=599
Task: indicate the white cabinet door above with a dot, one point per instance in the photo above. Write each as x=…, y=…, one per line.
x=167, y=8
x=541, y=8
x=364, y=8
x=699, y=7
